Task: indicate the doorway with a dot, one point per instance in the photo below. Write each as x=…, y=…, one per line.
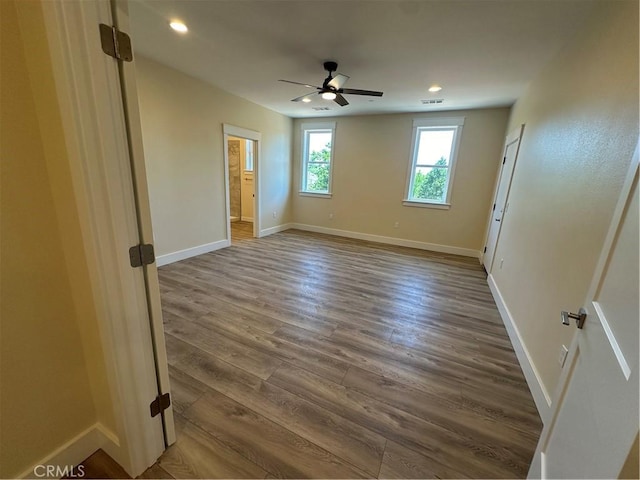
x=240, y=175
x=501, y=197
x=241, y=151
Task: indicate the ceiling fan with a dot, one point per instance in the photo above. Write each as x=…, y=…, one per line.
x=332, y=87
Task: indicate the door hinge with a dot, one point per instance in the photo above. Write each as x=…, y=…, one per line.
x=494, y=207
x=115, y=43
x=485, y=250
x=504, y=159
x=160, y=404
x=140, y=255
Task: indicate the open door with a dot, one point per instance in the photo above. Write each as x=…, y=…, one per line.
x=141, y=193
x=594, y=421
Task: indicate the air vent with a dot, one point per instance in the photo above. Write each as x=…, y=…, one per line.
x=321, y=108
x=434, y=101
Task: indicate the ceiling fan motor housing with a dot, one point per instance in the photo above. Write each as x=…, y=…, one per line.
x=330, y=66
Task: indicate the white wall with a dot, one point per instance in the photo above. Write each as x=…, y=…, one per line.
x=371, y=160
x=182, y=121
x=581, y=117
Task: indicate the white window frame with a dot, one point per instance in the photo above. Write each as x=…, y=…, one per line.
x=249, y=147
x=306, y=129
x=422, y=124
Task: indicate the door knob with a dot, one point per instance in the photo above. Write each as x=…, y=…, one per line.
x=578, y=317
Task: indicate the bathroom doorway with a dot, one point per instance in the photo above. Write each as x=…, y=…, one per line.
x=241, y=172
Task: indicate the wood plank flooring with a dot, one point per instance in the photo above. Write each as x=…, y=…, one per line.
x=302, y=355
x=241, y=231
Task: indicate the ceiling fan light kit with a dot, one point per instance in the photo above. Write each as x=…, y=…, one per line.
x=332, y=87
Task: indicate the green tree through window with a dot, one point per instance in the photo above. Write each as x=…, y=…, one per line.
x=318, y=169
x=432, y=185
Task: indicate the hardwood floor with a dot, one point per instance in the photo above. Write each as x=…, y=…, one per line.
x=98, y=465
x=241, y=231
x=308, y=356
x=303, y=355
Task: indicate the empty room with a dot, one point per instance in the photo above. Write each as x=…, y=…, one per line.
x=320, y=239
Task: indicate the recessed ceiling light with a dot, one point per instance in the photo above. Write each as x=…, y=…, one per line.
x=179, y=26
x=329, y=95
x=306, y=100
x=435, y=88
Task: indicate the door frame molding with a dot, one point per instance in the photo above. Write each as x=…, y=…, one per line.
x=88, y=90
x=514, y=135
x=229, y=130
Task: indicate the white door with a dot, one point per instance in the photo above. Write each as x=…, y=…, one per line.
x=134, y=133
x=595, y=409
x=510, y=154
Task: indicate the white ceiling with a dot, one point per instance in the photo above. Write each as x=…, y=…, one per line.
x=482, y=52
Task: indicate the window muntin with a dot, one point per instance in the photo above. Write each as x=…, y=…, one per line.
x=434, y=152
x=317, y=158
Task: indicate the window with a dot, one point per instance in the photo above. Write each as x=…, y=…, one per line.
x=317, y=156
x=433, y=161
x=248, y=158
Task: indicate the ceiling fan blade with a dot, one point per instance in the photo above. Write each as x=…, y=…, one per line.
x=302, y=97
x=353, y=91
x=338, y=81
x=340, y=100
x=298, y=83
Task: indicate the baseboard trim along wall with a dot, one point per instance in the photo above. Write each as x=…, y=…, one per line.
x=75, y=451
x=278, y=228
x=541, y=397
x=191, y=252
x=400, y=242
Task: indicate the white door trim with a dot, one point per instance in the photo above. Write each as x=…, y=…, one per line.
x=232, y=130
x=88, y=90
x=513, y=136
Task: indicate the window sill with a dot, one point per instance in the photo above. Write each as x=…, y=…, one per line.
x=315, y=194
x=439, y=206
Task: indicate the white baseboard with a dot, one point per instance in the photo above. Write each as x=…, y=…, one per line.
x=401, y=242
x=76, y=450
x=191, y=252
x=278, y=228
x=247, y=219
x=540, y=395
